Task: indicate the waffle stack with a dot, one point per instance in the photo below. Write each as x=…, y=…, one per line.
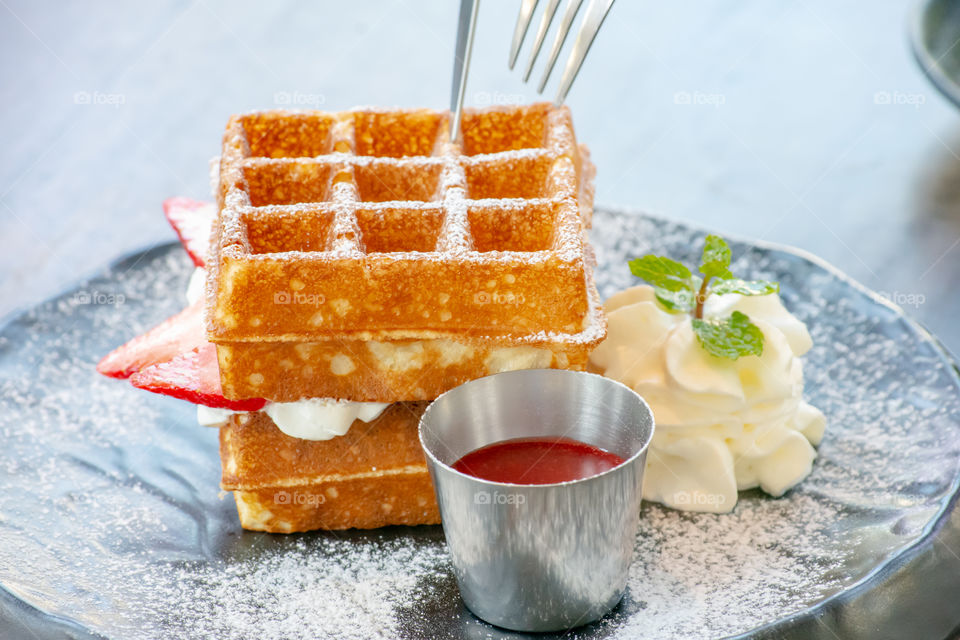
x=362, y=256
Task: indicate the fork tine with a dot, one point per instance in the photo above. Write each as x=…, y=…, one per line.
x=545, y=21
x=572, y=7
x=596, y=12
x=520, y=31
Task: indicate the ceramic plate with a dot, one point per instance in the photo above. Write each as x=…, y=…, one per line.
x=112, y=523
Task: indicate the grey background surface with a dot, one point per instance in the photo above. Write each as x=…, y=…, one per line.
x=808, y=122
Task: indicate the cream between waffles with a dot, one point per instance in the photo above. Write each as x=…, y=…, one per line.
x=362, y=256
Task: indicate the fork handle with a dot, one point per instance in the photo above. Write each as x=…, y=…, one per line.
x=467, y=25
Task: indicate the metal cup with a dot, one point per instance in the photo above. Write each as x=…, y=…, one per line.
x=539, y=557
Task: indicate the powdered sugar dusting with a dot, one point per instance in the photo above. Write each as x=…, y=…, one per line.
x=299, y=593
x=111, y=494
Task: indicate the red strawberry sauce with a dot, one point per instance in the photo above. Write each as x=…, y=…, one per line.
x=537, y=461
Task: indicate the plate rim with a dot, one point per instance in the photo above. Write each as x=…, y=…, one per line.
x=930, y=66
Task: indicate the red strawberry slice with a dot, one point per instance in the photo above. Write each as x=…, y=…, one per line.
x=170, y=338
x=192, y=220
x=192, y=376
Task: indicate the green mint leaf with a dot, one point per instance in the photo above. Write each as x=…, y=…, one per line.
x=730, y=337
x=662, y=273
x=677, y=288
x=715, y=262
x=745, y=287
x=676, y=301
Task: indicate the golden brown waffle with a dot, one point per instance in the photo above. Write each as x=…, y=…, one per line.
x=343, y=224
x=373, y=476
x=396, y=368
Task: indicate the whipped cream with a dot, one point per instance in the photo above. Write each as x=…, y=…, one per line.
x=308, y=419
x=321, y=418
x=722, y=425
x=213, y=417
x=195, y=287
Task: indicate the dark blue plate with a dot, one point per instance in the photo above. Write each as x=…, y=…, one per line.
x=111, y=522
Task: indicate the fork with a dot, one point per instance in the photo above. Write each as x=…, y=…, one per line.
x=589, y=28
x=596, y=12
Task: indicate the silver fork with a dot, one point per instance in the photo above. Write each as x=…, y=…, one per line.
x=597, y=11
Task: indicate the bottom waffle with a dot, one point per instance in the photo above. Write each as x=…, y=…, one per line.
x=373, y=476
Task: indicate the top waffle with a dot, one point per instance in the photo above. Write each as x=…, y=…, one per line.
x=369, y=221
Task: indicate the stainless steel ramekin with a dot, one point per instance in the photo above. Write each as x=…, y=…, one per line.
x=539, y=557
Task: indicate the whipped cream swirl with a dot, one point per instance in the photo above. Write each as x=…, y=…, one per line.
x=722, y=425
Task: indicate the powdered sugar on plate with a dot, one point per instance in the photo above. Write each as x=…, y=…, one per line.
x=110, y=513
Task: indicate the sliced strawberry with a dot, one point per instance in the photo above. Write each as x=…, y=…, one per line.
x=173, y=336
x=192, y=376
x=192, y=220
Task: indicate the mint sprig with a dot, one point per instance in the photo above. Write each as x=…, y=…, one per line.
x=680, y=290
x=731, y=337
